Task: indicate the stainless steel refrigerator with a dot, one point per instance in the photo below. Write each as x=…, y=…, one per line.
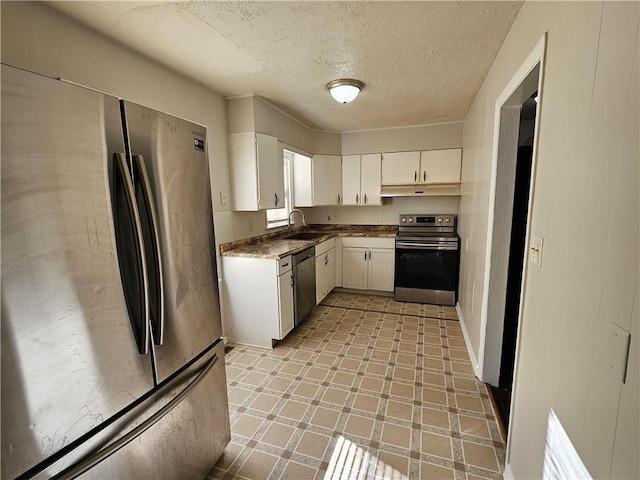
x=112, y=363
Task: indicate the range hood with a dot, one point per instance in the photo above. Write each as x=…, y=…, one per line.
x=421, y=190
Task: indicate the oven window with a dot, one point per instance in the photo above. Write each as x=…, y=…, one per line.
x=427, y=269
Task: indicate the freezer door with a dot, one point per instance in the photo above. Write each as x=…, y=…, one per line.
x=175, y=160
x=69, y=356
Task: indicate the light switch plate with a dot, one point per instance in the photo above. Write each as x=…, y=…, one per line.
x=223, y=198
x=535, y=251
x=618, y=351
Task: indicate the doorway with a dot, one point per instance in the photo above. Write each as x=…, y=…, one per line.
x=517, y=115
x=516, y=256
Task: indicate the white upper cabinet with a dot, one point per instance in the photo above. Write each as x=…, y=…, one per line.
x=257, y=171
x=400, y=168
x=440, y=166
x=432, y=167
x=317, y=180
x=370, y=179
x=351, y=180
x=361, y=178
x=327, y=180
x=302, y=181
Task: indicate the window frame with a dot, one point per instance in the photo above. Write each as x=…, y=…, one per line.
x=280, y=216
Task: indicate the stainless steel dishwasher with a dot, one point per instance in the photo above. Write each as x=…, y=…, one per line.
x=304, y=283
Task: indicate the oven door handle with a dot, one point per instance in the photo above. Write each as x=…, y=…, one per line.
x=427, y=246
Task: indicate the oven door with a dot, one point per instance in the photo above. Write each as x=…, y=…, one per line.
x=427, y=272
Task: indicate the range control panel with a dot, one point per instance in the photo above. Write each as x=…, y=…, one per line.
x=427, y=220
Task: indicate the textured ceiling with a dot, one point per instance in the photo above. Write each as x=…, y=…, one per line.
x=421, y=62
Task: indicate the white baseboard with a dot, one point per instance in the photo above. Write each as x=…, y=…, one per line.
x=477, y=369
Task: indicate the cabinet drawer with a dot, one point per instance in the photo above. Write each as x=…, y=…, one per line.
x=284, y=265
x=325, y=246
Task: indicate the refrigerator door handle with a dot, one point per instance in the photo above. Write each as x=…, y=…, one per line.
x=131, y=253
x=152, y=250
x=81, y=467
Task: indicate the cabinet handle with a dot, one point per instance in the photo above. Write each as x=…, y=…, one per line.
x=424, y=176
x=338, y=199
x=365, y=198
x=292, y=280
x=365, y=255
x=415, y=175
x=357, y=198
x=285, y=264
x=275, y=196
x=326, y=259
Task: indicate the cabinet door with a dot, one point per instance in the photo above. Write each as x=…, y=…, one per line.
x=370, y=179
x=330, y=266
x=354, y=267
x=325, y=274
x=321, y=279
x=285, y=292
x=400, y=168
x=351, y=180
x=244, y=171
x=380, y=269
x=440, y=166
x=327, y=179
x=270, y=172
x=302, y=182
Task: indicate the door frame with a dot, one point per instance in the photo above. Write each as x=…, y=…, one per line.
x=491, y=344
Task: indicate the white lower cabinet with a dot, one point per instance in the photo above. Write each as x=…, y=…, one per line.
x=354, y=267
x=285, y=302
x=258, y=299
x=368, y=263
x=325, y=268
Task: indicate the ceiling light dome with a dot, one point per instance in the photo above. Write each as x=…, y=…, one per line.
x=345, y=90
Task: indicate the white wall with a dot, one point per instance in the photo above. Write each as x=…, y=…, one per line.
x=386, y=214
x=585, y=206
x=38, y=38
x=421, y=137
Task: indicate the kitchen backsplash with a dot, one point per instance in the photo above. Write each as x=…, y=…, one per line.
x=386, y=214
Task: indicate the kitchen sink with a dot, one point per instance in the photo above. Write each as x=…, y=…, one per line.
x=305, y=236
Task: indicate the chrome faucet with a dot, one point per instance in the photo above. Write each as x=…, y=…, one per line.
x=304, y=222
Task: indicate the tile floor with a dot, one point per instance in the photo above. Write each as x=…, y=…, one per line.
x=365, y=385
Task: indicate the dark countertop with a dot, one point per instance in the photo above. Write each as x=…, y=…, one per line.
x=277, y=246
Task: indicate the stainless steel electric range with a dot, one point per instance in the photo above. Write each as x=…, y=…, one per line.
x=427, y=259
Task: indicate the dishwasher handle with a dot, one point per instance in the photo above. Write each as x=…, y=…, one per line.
x=300, y=257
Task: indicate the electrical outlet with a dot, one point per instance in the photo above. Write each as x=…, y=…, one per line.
x=223, y=198
x=535, y=251
x=250, y=225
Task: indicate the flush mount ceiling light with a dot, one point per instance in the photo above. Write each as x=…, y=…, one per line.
x=345, y=90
